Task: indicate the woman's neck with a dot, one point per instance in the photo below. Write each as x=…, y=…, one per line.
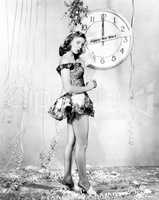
x=74, y=56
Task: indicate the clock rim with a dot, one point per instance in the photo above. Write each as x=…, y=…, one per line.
x=131, y=36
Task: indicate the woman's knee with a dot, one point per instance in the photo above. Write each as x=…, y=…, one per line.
x=82, y=140
x=81, y=131
x=82, y=145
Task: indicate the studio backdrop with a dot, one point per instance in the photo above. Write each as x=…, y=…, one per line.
x=125, y=128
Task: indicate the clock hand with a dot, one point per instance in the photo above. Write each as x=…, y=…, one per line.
x=102, y=17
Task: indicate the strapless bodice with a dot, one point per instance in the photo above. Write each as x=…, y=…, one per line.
x=76, y=72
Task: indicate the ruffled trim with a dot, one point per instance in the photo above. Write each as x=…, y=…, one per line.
x=64, y=108
x=86, y=108
x=61, y=107
x=66, y=66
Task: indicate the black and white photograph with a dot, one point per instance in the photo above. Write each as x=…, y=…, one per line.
x=79, y=100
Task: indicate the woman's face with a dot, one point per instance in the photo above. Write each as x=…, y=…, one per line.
x=77, y=44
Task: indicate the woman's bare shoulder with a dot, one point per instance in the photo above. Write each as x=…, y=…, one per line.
x=66, y=58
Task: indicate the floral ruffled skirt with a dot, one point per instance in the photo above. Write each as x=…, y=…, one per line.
x=71, y=105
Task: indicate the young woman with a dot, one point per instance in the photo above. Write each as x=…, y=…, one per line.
x=71, y=71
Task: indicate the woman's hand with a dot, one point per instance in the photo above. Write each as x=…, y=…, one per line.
x=91, y=84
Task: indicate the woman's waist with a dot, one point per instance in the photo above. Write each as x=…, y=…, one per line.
x=75, y=97
x=81, y=94
x=77, y=82
x=63, y=91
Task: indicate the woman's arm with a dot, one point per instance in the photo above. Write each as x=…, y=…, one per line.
x=65, y=75
x=91, y=66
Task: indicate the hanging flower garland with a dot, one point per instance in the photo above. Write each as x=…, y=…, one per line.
x=75, y=12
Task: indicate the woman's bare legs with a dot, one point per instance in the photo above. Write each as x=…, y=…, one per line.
x=81, y=128
x=68, y=153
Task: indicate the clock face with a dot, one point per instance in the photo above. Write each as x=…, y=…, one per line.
x=109, y=38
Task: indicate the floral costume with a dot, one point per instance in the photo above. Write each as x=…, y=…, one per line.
x=72, y=105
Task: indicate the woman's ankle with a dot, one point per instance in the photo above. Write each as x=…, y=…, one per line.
x=68, y=181
x=68, y=178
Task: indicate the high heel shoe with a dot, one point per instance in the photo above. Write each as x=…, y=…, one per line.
x=69, y=184
x=89, y=191
x=83, y=188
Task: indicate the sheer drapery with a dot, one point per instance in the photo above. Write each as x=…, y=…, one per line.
x=26, y=91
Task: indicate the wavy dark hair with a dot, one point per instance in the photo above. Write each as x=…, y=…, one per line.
x=67, y=43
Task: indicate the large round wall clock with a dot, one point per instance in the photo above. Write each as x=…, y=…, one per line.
x=109, y=38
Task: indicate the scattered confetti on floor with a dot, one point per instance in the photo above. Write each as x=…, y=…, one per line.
x=117, y=183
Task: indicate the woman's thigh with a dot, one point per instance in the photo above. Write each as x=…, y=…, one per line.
x=81, y=129
x=70, y=134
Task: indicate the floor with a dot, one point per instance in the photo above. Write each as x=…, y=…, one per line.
x=117, y=183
